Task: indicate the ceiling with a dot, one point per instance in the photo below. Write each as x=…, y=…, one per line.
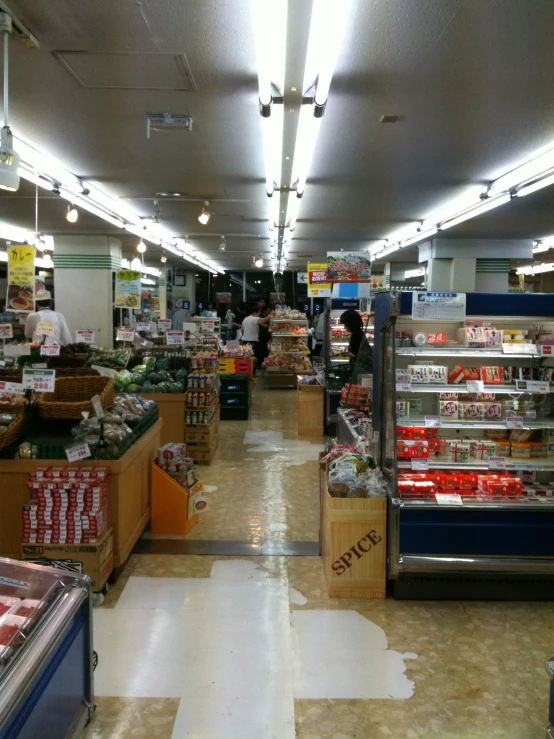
x=469, y=79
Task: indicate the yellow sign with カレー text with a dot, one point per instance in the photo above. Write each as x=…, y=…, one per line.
x=21, y=279
x=318, y=286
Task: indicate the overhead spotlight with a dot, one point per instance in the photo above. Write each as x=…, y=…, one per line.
x=72, y=214
x=258, y=262
x=157, y=212
x=141, y=247
x=205, y=214
x=163, y=259
x=9, y=161
x=223, y=245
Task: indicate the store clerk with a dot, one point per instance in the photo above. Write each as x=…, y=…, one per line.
x=251, y=332
x=44, y=314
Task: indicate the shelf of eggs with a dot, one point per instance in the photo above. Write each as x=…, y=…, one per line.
x=483, y=432
x=339, y=337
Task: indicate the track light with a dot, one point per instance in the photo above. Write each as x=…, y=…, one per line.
x=205, y=214
x=163, y=259
x=9, y=161
x=259, y=262
x=223, y=245
x=157, y=212
x=72, y=214
x=141, y=247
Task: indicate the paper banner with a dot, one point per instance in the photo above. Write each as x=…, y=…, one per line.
x=127, y=289
x=318, y=284
x=21, y=279
x=344, y=266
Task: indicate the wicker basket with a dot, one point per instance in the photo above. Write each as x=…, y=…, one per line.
x=12, y=433
x=73, y=396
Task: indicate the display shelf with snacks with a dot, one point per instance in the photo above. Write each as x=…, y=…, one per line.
x=466, y=420
x=289, y=353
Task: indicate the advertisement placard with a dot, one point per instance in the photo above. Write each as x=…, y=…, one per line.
x=318, y=284
x=21, y=279
x=348, y=266
x=127, y=289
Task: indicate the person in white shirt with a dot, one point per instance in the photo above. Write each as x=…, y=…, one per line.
x=59, y=333
x=251, y=332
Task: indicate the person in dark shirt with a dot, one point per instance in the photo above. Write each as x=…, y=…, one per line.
x=352, y=321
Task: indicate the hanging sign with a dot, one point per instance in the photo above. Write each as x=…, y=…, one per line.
x=318, y=284
x=125, y=334
x=223, y=298
x=45, y=329
x=85, y=336
x=50, y=350
x=174, y=338
x=143, y=327
x=164, y=324
x=21, y=279
x=207, y=324
x=40, y=380
x=438, y=306
x=127, y=289
x=6, y=331
x=348, y=266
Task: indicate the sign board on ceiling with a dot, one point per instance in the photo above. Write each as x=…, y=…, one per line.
x=318, y=285
x=345, y=266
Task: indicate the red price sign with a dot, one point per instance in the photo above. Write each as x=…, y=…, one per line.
x=319, y=277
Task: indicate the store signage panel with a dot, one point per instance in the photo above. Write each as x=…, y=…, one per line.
x=21, y=279
x=519, y=349
x=514, y=422
x=17, y=350
x=76, y=453
x=97, y=405
x=42, y=381
x=45, y=329
x=6, y=331
x=475, y=386
x=318, y=284
x=85, y=336
x=125, y=334
x=164, y=324
x=50, y=350
x=532, y=386
x=432, y=422
x=12, y=387
x=174, y=338
x=302, y=278
x=345, y=266
x=497, y=463
x=420, y=464
x=207, y=324
x=142, y=327
x=127, y=289
x=104, y=371
x=434, y=306
x=547, y=350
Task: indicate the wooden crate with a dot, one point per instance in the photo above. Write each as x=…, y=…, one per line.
x=170, y=504
x=281, y=379
x=204, y=454
x=172, y=412
x=204, y=432
x=310, y=410
x=353, y=540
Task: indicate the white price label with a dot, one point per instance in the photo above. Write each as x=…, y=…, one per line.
x=514, y=422
x=420, y=464
x=45, y=329
x=497, y=463
x=143, y=327
x=50, y=350
x=530, y=414
x=530, y=349
x=125, y=334
x=207, y=324
x=448, y=499
x=104, y=371
x=42, y=381
x=173, y=338
x=97, y=405
x=475, y=386
x=85, y=336
x=39, y=365
x=12, y=387
x=403, y=387
x=532, y=386
x=6, y=331
x=17, y=350
x=433, y=422
x=164, y=324
x=546, y=350
x=75, y=453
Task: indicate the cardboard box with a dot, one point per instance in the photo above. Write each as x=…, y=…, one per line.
x=96, y=560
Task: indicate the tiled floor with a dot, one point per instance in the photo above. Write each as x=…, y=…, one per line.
x=205, y=647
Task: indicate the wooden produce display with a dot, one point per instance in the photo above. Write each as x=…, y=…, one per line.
x=310, y=409
x=353, y=544
x=203, y=440
x=129, y=495
x=172, y=413
x=170, y=504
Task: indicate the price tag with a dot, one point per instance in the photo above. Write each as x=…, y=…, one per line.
x=546, y=350
x=12, y=387
x=514, y=422
x=530, y=414
x=104, y=371
x=42, y=381
x=420, y=464
x=75, y=453
x=432, y=422
x=497, y=463
x=173, y=338
x=448, y=499
x=125, y=334
x=164, y=324
x=403, y=387
x=85, y=336
x=50, y=350
x=45, y=329
x=40, y=365
x=475, y=386
x=97, y=405
x=17, y=350
x=532, y=386
x=143, y=327
x=6, y=331
x=207, y=324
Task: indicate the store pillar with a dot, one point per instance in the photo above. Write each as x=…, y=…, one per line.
x=472, y=265
x=83, y=277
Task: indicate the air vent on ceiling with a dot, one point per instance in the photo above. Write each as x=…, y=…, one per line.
x=167, y=122
x=389, y=118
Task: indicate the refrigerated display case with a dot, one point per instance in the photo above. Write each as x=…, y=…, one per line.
x=46, y=657
x=466, y=420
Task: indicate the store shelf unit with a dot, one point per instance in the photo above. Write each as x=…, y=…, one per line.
x=288, y=351
x=469, y=543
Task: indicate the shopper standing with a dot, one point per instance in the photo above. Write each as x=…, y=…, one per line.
x=352, y=321
x=318, y=331
x=251, y=332
x=59, y=333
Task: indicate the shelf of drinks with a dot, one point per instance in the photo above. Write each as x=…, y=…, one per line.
x=504, y=389
x=462, y=352
x=540, y=464
x=501, y=425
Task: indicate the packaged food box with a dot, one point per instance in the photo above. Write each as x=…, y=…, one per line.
x=407, y=449
x=39, y=473
x=415, y=406
x=418, y=373
x=436, y=339
x=539, y=449
x=403, y=408
x=492, y=375
x=449, y=409
x=502, y=448
x=521, y=450
x=437, y=374
x=482, y=449
x=493, y=337
x=419, y=339
x=461, y=451
x=449, y=396
x=471, y=411
x=456, y=375
x=526, y=373
x=471, y=373
x=472, y=336
x=492, y=411
x=485, y=396
x=411, y=432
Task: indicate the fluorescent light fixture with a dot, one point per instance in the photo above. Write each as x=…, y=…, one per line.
x=272, y=135
x=274, y=202
x=471, y=198
x=414, y=273
x=72, y=214
x=205, y=214
x=14, y=233
x=379, y=246
x=306, y=138
x=540, y=248
x=483, y=207
x=543, y=245
x=530, y=170
x=45, y=262
x=9, y=159
x=528, y=189
x=420, y=236
x=269, y=18
x=35, y=179
x=147, y=281
x=327, y=27
x=535, y=269
x=293, y=208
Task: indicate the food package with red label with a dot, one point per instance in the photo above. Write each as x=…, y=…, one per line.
x=435, y=446
x=408, y=449
x=485, y=396
x=493, y=337
x=436, y=339
x=482, y=449
x=471, y=373
x=492, y=411
x=456, y=375
x=492, y=375
x=449, y=409
x=472, y=336
x=411, y=432
x=471, y=411
x=39, y=473
x=410, y=486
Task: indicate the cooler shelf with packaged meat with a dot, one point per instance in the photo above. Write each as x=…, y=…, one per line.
x=466, y=420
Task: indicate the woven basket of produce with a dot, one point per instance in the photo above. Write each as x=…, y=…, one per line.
x=11, y=374
x=73, y=396
x=11, y=424
x=76, y=372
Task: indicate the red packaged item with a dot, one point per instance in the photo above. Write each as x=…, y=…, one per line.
x=456, y=375
x=492, y=375
x=8, y=632
x=39, y=473
x=436, y=339
x=407, y=449
x=471, y=373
